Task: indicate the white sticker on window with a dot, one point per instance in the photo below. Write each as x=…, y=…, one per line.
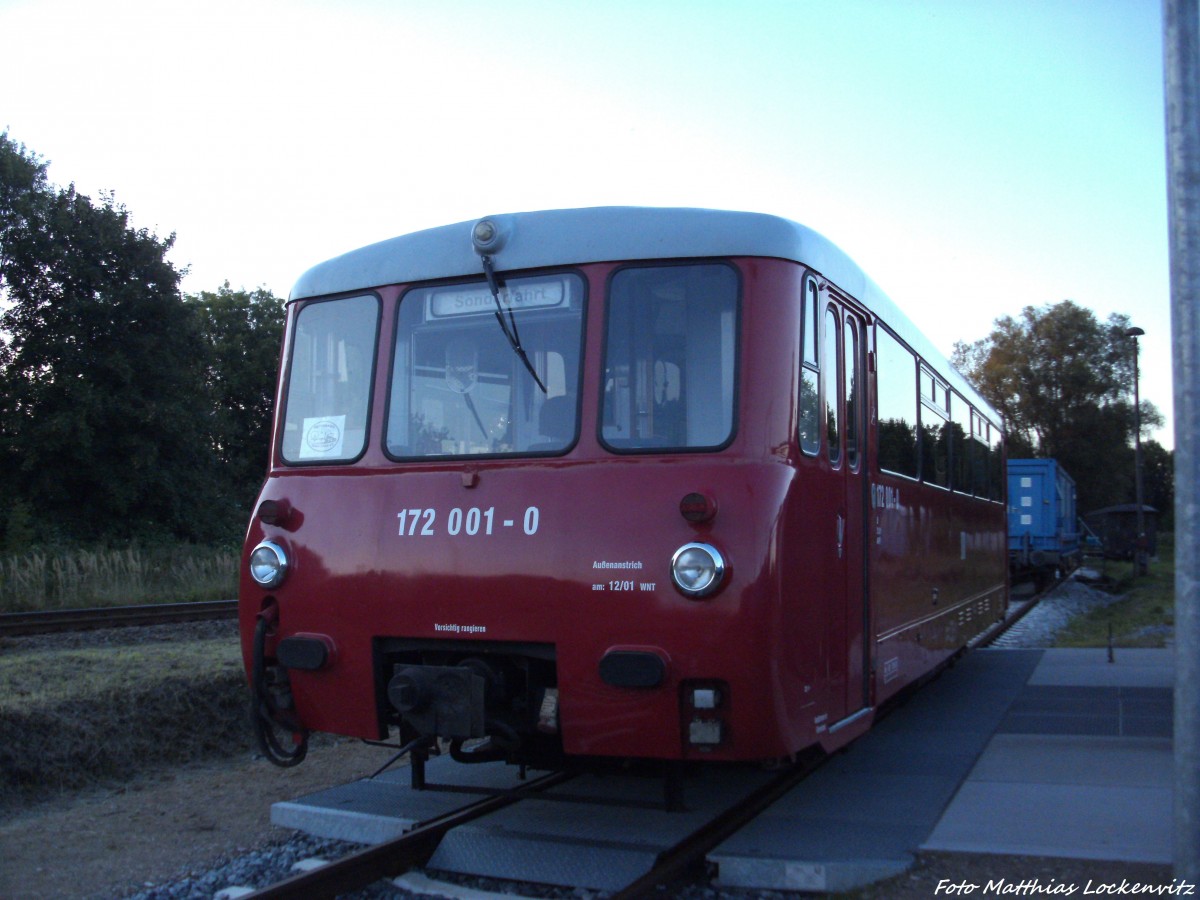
x=323, y=437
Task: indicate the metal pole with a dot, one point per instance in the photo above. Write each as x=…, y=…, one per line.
x=1140, y=546
x=1181, y=53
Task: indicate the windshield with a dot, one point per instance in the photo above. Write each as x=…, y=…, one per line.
x=329, y=380
x=461, y=388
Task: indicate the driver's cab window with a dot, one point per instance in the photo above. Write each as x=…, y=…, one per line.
x=477, y=374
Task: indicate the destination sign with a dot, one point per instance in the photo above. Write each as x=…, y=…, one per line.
x=541, y=293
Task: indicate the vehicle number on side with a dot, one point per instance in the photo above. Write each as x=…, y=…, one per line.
x=470, y=522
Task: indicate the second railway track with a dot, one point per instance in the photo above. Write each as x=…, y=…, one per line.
x=59, y=620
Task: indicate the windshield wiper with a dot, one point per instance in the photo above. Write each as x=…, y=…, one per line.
x=509, y=327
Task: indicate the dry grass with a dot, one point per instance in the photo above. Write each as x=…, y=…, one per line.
x=70, y=718
x=83, y=578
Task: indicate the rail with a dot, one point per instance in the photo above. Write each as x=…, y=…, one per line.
x=674, y=861
x=57, y=620
x=414, y=848
x=391, y=858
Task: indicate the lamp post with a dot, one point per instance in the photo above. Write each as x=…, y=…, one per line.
x=1140, y=549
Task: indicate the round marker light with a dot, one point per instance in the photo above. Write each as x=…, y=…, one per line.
x=486, y=236
x=697, y=569
x=268, y=565
x=485, y=233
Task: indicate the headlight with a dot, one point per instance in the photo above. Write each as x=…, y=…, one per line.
x=268, y=564
x=697, y=569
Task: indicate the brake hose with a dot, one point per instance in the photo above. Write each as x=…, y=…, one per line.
x=264, y=713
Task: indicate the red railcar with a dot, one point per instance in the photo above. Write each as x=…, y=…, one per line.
x=619, y=482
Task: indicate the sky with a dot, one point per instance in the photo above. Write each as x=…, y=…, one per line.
x=973, y=156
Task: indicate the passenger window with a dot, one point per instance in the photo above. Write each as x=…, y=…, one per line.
x=960, y=444
x=853, y=412
x=809, y=428
x=811, y=305
x=829, y=369
x=995, y=465
x=897, y=387
x=935, y=431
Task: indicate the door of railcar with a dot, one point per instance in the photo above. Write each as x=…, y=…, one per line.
x=843, y=392
x=832, y=430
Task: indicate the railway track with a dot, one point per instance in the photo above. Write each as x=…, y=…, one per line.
x=394, y=857
x=413, y=849
x=58, y=620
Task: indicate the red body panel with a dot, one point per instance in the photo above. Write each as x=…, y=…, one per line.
x=843, y=587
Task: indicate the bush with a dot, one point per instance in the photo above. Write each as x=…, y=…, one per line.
x=63, y=579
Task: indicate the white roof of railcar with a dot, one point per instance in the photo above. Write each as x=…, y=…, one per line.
x=605, y=234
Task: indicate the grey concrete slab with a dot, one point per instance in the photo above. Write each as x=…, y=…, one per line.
x=1075, y=759
x=863, y=815
x=1083, y=667
x=373, y=810
x=1080, y=767
x=1092, y=709
x=596, y=831
x=1130, y=824
x=1053, y=792
x=593, y=832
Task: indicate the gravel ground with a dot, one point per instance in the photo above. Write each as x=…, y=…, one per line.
x=1038, y=627
x=272, y=860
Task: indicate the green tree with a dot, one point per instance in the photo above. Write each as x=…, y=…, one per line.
x=103, y=426
x=1158, y=482
x=1063, y=382
x=242, y=332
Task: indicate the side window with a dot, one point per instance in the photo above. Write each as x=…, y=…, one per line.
x=897, y=388
x=810, y=429
x=960, y=444
x=670, y=358
x=935, y=430
x=829, y=370
x=995, y=465
x=975, y=452
x=330, y=365
x=853, y=392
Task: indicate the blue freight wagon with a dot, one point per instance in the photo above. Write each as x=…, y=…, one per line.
x=1043, y=529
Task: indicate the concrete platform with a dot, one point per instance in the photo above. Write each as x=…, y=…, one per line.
x=610, y=831
x=1082, y=765
x=374, y=810
x=1054, y=753
x=599, y=832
